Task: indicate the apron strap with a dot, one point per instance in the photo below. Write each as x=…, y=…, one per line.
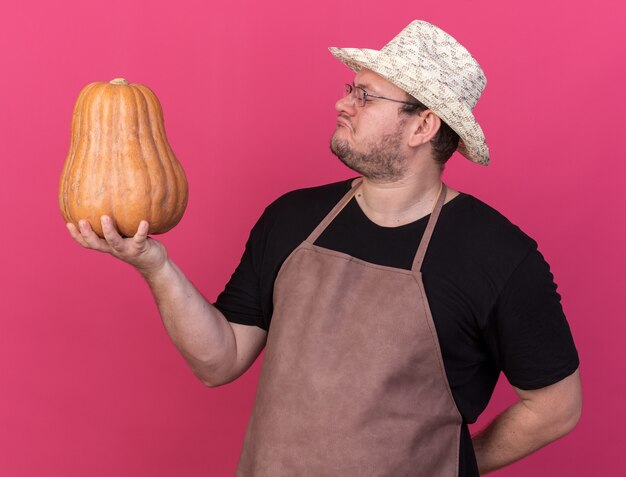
x=430, y=227
x=334, y=212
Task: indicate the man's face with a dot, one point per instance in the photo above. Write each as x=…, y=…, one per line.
x=371, y=139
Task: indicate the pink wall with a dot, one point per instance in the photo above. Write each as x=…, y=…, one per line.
x=89, y=382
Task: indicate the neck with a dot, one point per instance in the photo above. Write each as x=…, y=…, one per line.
x=391, y=204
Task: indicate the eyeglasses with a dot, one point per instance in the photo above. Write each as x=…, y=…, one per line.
x=359, y=95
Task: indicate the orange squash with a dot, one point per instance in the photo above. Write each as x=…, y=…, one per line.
x=120, y=163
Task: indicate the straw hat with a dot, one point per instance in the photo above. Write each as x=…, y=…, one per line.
x=438, y=71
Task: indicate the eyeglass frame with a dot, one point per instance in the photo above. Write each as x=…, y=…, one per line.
x=348, y=90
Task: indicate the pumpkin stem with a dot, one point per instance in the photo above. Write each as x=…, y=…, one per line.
x=119, y=81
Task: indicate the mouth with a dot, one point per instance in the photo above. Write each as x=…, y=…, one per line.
x=344, y=123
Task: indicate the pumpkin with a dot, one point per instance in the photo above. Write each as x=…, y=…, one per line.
x=120, y=163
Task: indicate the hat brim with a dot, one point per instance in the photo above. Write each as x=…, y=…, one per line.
x=428, y=90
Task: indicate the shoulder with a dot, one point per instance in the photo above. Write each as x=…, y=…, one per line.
x=305, y=205
x=483, y=226
x=477, y=240
x=289, y=219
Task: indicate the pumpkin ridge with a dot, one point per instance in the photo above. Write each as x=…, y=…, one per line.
x=64, y=186
x=86, y=141
x=87, y=91
x=137, y=186
x=179, y=195
x=103, y=191
x=94, y=158
x=141, y=159
x=164, y=156
x=121, y=139
x=178, y=199
x=178, y=176
x=157, y=173
x=119, y=179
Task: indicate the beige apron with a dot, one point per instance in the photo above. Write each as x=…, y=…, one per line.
x=352, y=382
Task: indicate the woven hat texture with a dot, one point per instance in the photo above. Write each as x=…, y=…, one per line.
x=435, y=69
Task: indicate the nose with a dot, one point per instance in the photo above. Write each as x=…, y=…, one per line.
x=346, y=104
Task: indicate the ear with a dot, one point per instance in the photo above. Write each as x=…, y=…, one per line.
x=423, y=128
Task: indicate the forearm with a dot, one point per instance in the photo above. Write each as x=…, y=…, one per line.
x=216, y=350
x=198, y=329
x=514, y=434
x=540, y=417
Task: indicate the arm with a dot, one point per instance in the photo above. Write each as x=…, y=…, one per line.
x=540, y=417
x=217, y=351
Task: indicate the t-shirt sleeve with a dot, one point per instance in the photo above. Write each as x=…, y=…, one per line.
x=531, y=337
x=241, y=300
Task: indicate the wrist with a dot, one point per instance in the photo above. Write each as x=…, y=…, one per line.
x=156, y=272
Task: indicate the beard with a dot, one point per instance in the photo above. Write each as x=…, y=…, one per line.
x=382, y=161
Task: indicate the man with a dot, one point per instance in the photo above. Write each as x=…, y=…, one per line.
x=394, y=301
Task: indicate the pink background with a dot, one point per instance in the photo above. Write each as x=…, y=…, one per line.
x=89, y=382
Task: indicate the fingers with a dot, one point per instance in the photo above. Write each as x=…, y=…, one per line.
x=142, y=253
x=76, y=234
x=111, y=235
x=121, y=246
x=142, y=233
x=86, y=237
x=113, y=242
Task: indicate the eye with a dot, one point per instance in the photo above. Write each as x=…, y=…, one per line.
x=364, y=95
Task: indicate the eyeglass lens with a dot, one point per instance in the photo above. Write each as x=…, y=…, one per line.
x=357, y=94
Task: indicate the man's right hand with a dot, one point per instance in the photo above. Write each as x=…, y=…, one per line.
x=142, y=252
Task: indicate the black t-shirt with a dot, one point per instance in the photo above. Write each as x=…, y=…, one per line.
x=492, y=296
